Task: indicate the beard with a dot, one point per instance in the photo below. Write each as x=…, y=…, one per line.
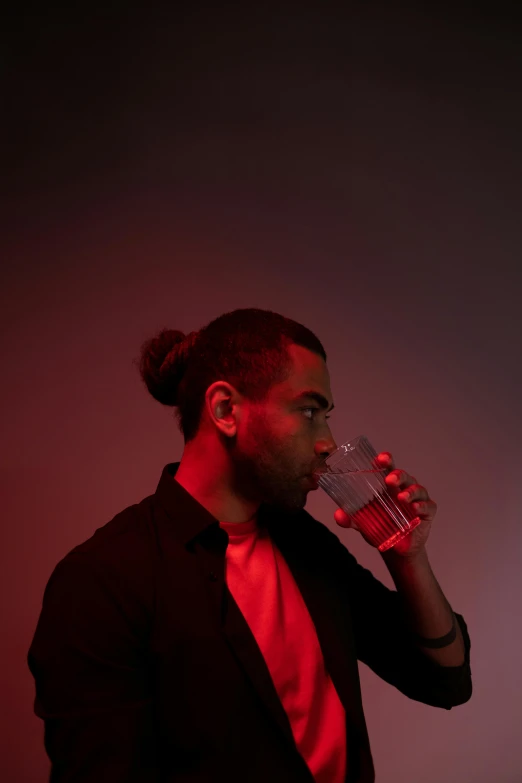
x=265, y=470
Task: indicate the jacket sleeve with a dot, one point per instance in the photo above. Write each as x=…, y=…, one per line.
x=88, y=661
x=384, y=643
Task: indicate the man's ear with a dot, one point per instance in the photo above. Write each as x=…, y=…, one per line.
x=223, y=404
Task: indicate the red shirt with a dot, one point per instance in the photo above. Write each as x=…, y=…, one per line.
x=267, y=595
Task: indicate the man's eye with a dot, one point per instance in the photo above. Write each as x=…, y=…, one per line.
x=313, y=409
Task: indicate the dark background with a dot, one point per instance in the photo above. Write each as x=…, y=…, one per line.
x=355, y=167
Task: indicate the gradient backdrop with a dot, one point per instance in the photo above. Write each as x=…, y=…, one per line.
x=357, y=170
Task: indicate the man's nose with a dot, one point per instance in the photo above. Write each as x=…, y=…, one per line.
x=325, y=447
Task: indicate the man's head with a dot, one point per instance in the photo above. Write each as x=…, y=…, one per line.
x=251, y=391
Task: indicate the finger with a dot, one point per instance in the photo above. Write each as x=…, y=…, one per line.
x=425, y=509
x=413, y=492
x=385, y=460
x=399, y=479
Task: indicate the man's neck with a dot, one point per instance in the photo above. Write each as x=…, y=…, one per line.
x=210, y=488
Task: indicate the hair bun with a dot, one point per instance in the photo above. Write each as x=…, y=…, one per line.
x=162, y=364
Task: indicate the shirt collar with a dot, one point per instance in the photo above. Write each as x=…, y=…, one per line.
x=190, y=518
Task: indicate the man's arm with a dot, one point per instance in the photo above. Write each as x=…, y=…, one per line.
x=87, y=658
x=384, y=639
x=398, y=634
x=428, y=613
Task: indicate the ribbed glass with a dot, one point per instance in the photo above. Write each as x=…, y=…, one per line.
x=353, y=480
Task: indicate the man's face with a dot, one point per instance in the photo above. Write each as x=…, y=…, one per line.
x=284, y=438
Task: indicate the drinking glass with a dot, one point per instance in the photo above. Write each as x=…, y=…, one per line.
x=352, y=477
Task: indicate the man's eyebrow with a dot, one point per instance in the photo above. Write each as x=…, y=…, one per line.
x=310, y=394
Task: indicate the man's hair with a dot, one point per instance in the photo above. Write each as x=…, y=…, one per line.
x=247, y=348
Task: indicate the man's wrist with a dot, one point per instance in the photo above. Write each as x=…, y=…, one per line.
x=395, y=561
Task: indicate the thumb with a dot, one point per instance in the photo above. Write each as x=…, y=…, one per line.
x=343, y=519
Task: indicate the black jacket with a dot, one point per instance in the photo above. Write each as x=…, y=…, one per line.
x=146, y=670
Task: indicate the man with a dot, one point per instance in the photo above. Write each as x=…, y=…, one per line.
x=212, y=631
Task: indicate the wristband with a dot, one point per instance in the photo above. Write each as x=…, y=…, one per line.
x=442, y=641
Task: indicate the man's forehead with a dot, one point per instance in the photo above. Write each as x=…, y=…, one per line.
x=309, y=373
x=306, y=364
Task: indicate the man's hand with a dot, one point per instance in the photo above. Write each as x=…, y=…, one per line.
x=430, y=615
x=405, y=489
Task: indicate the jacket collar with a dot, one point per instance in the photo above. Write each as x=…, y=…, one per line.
x=191, y=519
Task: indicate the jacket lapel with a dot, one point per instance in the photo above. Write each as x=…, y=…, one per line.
x=236, y=631
x=330, y=615
x=245, y=649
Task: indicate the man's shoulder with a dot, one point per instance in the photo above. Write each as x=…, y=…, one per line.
x=108, y=577
x=309, y=533
x=130, y=529
x=320, y=545
x=316, y=530
x=123, y=550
